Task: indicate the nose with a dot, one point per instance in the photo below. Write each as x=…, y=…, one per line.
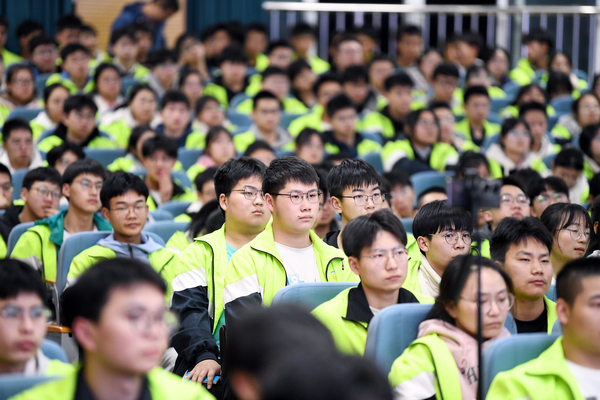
x=494, y=308
x=536, y=268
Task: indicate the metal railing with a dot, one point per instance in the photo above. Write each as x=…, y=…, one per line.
x=580, y=24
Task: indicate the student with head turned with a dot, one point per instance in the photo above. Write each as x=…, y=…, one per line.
x=124, y=46
x=288, y=251
x=376, y=249
x=475, y=126
x=356, y=86
x=75, y=74
x=442, y=233
x=49, y=118
x=302, y=80
x=43, y=55
x=348, y=51
x=18, y=151
x=543, y=192
x=402, y=195
x=513, y=203
x=568, y=166
x=535, y=115
x=40, y=244
x=539, y=44
x=60, y=157
x=522, y=248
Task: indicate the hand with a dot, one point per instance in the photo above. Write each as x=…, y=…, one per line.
x=50, y=212
x=205, y=369
x=165, y=187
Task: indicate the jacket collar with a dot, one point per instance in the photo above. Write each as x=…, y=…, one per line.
x=61, y=132
x=56, y=223
x=358, y=306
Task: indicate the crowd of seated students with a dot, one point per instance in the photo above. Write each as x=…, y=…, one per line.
x=305, y=168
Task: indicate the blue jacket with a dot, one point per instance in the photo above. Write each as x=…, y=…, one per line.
x=133, y=13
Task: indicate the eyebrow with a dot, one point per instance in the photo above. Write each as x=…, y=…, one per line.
x=528, y=253
x=124, y=202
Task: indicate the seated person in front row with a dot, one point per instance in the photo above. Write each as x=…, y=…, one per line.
x=78, y=126
x=159, y=155
x=355, y=189
x=18, y=151
x=40, y=244
x=116, y=312
x=522, y=248
x=288, y=251
x=570, y=367
x=376, y=250
x=123, y=198
x=23, y=319
x=175, y=113
x=442, y=233
x=442, y=362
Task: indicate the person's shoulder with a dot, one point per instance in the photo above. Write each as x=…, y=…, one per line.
x=336, y=306
x=164, y=384
x=52, y=389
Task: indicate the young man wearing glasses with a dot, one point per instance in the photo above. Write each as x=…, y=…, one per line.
x=40, y=244
x=116, y=311
x=287, y=251
x=513, y=203
x=199, y=277
x=376, y=250
x=522, y=247
x=355, y=190
x=123, y=199
x=543, y=192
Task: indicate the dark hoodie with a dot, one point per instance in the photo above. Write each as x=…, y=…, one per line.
x=9, y=220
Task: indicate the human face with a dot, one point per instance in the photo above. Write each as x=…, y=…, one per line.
x=67, y=36
x=243, y=213
x=349, y=53
x=528, y=265
x=477, y=108
x=5, y=191
x=464, y=311
x=400, y=98
x=589, y=111
x=327, y=91
x=130, y=337
x=21, y=337
x=44, y=58
x=125, y=49
x=447, y=120
x=281, y=57
x=403, y=198
x=212, y=114
x=444, y=87
x=54, y=105
x=21, y=87
x=560, y=63
x=439, y=252
x=565, y=247
x=511, y=207
x=294, y=219
x=192, y=88
x=517, y=140
x=466, y=53
x=538, y=124
x=221, y=148
x=89, y=40
x=302, y=43
x=279, y=85
x=84, y=193
x=175, y=116
x=595, y=146
x=426, y=131
x=233, y=72
x=498, y=64
x=19, y=147
x=312, y=151
x=256, y=42
x=357, y=91
x=264, y=156
x=479, y=79
x=62, y=163
x=127, y=215
x=217, y=43
x=346, y=206
x=379, y=271
x=267, y=114
x=409, y=48
x=343, y=122
x=327, y=213
x=569, y=175
x=305, y=80
x=77, y=65
x=208, y=192
x=379, y=72
x=144, y=43
x=534, y=94
x=430, y=197
x=80, y=123
x=429, y=63
x=536, y=50
x=109, y=84
x=158, y=165
x=40, y=205
x=546, y=198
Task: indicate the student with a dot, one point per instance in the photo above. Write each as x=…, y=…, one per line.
x=430, y=195
x=497, y=63
x=68, y=28
x=25, y=31
x=107, y=92
x=380, y=68
x=348, y=51
x=390, y=120
x=410, y=45
x=421, y=150
x=190, y=84
x=422, y=75
x=7, y=56
x=343, y=136
x=539, y=44
x=522, y=248
x=266, y=114
x=444, y=84
x=288, y=251
x=40, y=244
x=44, y=54
x=144, y=37
x=78, y=126
x=528, y=93
x=477, y=75
x=75, y=74
x=208, y=114
x=123, y=45
x=40, y=192
x=448, y=132
x=255, y=43
x=192, y=56
x=559, y=87
x=355, y=189
x=123, y=199
x=219, y=148
x=18, y=151
x=163, y=71
x=590, y=135
x=23, y=323
x=561, y=62
x=468, y=46
x=442, y=233
x=325, y=88
x=20, y=90
x=543, y=192
x=402, y=195
x=302, y=79
x=233, y=80
x=279, y=54
x=159, y=155
x=513, y=203
x=176, y=125
x=261, y=151
x=49, y=118
x=570, y=226
x=573, y=359
x=584, y=111
x=475, y=126
x=60, y=157
x=448, y=336
x=568, y=165
x=238, y=184
x=326, y=220
x=205, y=186
x=116, y=312
x=376, y=249
x=310, y=146
x=536, y=117
x=89, y=38
x=5, y=187
x=302, y=38
x=355, y=82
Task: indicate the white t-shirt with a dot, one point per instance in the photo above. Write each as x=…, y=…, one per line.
x=374, y=310
x=67, y=235
x=588, y=379
x=155, y=194
x=300, y=264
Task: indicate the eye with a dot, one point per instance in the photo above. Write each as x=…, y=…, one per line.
x=377, y=256
x=359, y=197
x=295, y=196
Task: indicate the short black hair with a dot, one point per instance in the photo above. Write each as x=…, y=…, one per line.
x=569, y=158
x=510, y=123
x=174, y=96
x=185, y=73
x=203, y=101
x=346, y=37
x=256, y=27
x=436, y=217
x=16, y=277
x=135, y=90
x=85, y=166
x=361, y=231
x=205, y=176
x=515, y=231
x=78, y=102
x=68, y=21
x=262, y=95
x=355, y=73
x=558, y=82
x=525, y=89
x=433, y=189
x=521, y=178
x=297, y=67
x=182, y=38
x=305, y=135
x=434, y=105
x=127, y=32
x=234, y=170
x=166, y=5
x=87, y=297
x=569, y=281
x=475, y=91
x=214, y=133
x=258, y=145
x=585, y=139
x=324, y=78
x=541, y=36
x=446, y=69
x=559, y=216
x=595, y=185
x=338, y=103
x=538, y=185
x=277, y=44
x=73, y=48
x=49, y=89
x=351, y=173
x=160, y=142
x=136, y=134
x=4, y=170
x=12, y=125
x=399, y=79
x=472, y=39
x=103, y=67
x=234, y=54
x=160, y=56
x=470, y=160
x=382, y=57
x=13, y=69
x=473, y=70
x=58, y=151
x=40, y=40
x=532, y=106
x=41, y=174
x=85, y=28
x=3, y=21
x=413, y=30
x=301, y=28
x=28, y=27
x=288, y=169
x=575, y=104
x=118, y=184
x=397, y=177
x=269, y=71
x=412, y=118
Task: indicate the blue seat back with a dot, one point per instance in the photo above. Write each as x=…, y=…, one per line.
x=489, y=140
x=105, y=156
x=562, y=105
x=40, y=84
x=552, y=120
x=166, y=229
x=24, y=113
x=126, y=83
x=549, y=159
x=182, y=178
x=242, y=121
x=160, y=215
x=286, y=119
x=12, y=384
x=507, y=353
x=175, y=208
x=581, y=75
x=424, y=180
x=551, y=294
x=407, y=223
x=15, y=234
x=17, y=182
x=494, y=118
x=237, y=100
x=499, y=104
x=310, y=295
x=53, y=351
x=188, y=157
x=375, y=160
x=511, y=89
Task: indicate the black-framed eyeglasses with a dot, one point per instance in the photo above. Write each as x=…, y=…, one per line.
x=250, y=192
x=296, y=196
x=361, y=199
x=452, y=237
